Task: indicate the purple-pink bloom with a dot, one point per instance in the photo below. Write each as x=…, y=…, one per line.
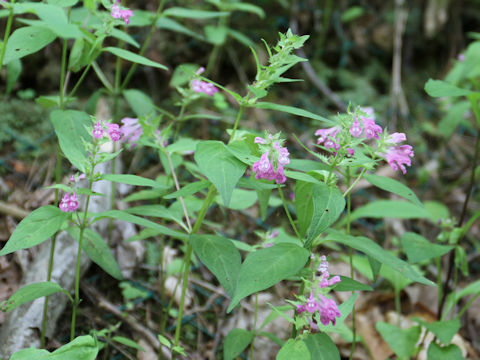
x=399, y=156
x=396, y=138
x=461, y=57
x=97, y=130
x=372, y=130
x=204, y=87
x=273, y=234
x=311, y=305
x=356, y=129
x=328, y=310
x=69, y=203
x=114, y=132
x=118, y=13
x=328, y=137
x=350, y=151
x=259, y=140
x=80, y=177
x=131, y=130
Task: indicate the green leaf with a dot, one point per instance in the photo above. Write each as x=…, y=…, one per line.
x=124, y=216
x=393, y=186
x=193, y=14
x=439, y=88
x=98, y=251
x=27, y=40
x=453, y=117
x=81, y=348
x=328, y=204
x=29, y=293
x=215, y=34
x=30, y=354
x=220, y=167
x=140, y=103
x=128, y=342
x=245, y=7
x=321, y=347
x=436, y=210
x=443, y=330
x=390, y=209
x=63, y=3
x=374, y=250
x=294, y=349
x=70, y=127
x=450, y=352
x=304, y=205
x=266, y=267
x=189, y=189
x=220, y=256
x=291, y=110
x=37, y=227
x=419, y=249
x=172, y=25
x=240, y=200
x=349, y=284
x=157, y=210
x=133, y=180
x=401, y=341
x=240, y=37
x=453, y=298
x=398, y=281
x=235, y=342
x=14, y=69
x=135, y=58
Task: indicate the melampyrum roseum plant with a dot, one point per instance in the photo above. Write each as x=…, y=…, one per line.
x=241, y=168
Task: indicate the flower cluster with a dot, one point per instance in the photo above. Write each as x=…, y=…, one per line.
x=204, y=87
x=274, y=158
x=131, y=131
x=113, y=131
x=118, y=13
x=325, y=307
x=364, y=128
x=69, y=203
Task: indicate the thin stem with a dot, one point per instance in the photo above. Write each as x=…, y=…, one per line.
x=62, y=73
x=350, y=188
x=178, y=119
x=79, y=82
x=350, y=255
x=77, y=269
x=239, y=116
x=282, y=196
x=145, y=44
x=255, y=317
x=7, y=33
x=101, y=76
x=198, y=223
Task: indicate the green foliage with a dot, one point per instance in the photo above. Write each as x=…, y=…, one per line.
x=401, y=341
x=29, y=293
x=235, y=342
x=27, y=40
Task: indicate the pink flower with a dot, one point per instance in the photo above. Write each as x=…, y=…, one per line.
x=395, y=138
x=114, y=132
x=311, y=305
x=328, y=310
x=461, y=57
x=259, y=140
x=69, y=203
x=131, y=130
x=200, y=86
x=399, y=156
x=271, y=163
x=118, y=13
x=372, y=130
x=356, y=129
x=350, y=151
x=80, y=177
x=328, y=137
x=97, y=130
x=283, y=154
x=273, y=234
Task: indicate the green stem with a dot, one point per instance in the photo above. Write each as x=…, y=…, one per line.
x=178, y=119
x=77, y=269
x=62, y=73
x=198, y=223
x=350, y=254
x=101, y=76
x=350, y=188
x=255, y=317
x=145, y=44
x=79, y=82
x=7, y=33
x=282, y=196
x=214, y=54
x=239, y=116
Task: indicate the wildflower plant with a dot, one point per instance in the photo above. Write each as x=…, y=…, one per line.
x=200, y=175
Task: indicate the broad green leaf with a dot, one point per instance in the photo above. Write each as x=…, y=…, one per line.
x=189, y=189
x=81, y=348
x=374, y=250
x=453, y=298
x=14, y=69
x=291, y=110
x=450, y=352
x=436, y=210
x=306, y=165
x=453, y=117
x=419, y=249
x=37, y=227
x=215, y=34
x=122, y=35
x=297, y=175
x=328, y=204
x=30, y=354
x=235, y=342
x=131, y=56
x=245, y=7
x=304, y=205
x=124, y=216
x=266, y=267
x=193, y=14
x=393, y=186
x=29, y=293
x=183, y=146
x=63, y=3
x=443, y=330
x=27, y=40
x=133, y=180
x=390, y=209
x=321, y=347
x=157, y=210
x=71, y=129
x=220, y=256
x=398, y=281
x=349, y=284
x=144, y=195
x=294, y=349
x=439, y=88
x=220, y=167
x=401, y=341
x=172, y=25
x=140, y=103
x=128, y=342
x=97, y=250
x=240, y=200
x=263, y=196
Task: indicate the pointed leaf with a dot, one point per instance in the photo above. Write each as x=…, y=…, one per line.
x=393, y=186
x=419, y=249
x=304, y=205
x=133, y=180
x=291, y=110
x=220, y=167
x=443, y=330
x=266, y=267
x=135, y=58
x=27, y=40
x=81, y=348
x=390, y=209
x=439, y=88
x=294, y=349
x=401, y=341
x=450, y=352
x=29, y=293
x=235, y=342
x=220, y=256
x=37, y=227
x=321, y=347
